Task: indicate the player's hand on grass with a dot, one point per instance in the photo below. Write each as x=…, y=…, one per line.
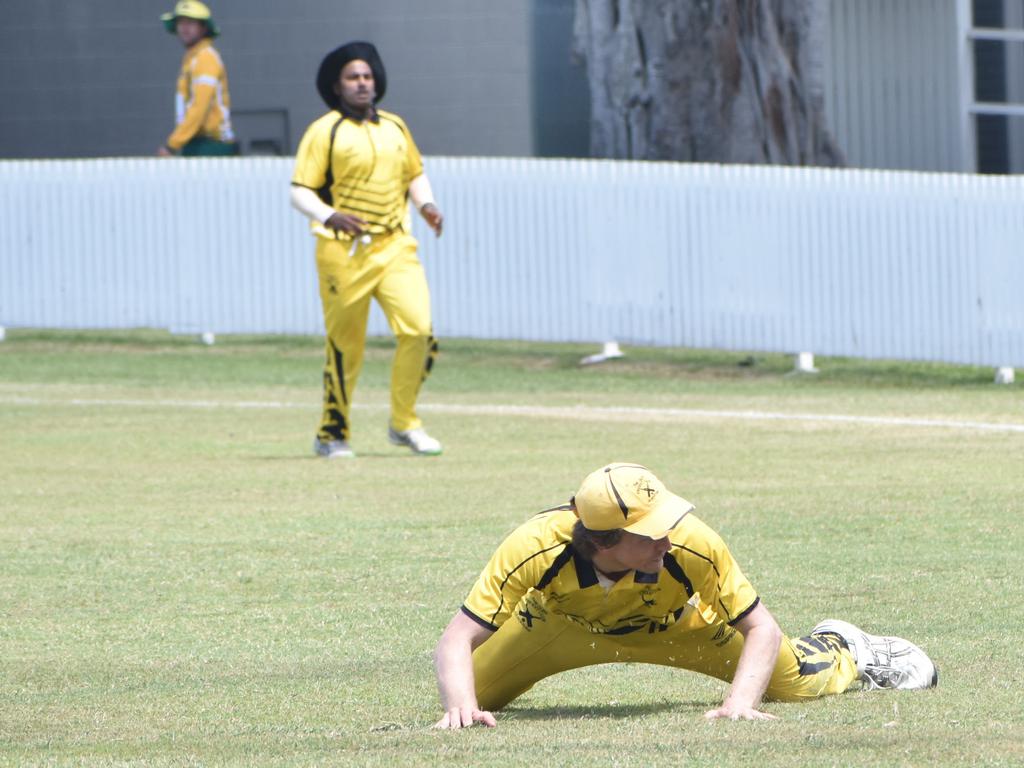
x=433, y=216
x=456, y=718
x=734, y=712
x=348, y=223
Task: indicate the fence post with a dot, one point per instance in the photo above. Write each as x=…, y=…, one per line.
x=1004, y=375
x=805, y=363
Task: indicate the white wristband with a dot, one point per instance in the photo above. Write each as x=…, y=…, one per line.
x=307, y=202
x=420, y=192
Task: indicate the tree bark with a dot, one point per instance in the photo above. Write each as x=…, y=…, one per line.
x=733, y=81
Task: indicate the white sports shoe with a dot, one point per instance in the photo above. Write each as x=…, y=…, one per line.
x=417, y=439
x=333, y=449
x=884, y=662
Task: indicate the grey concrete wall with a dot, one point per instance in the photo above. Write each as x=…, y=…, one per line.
x=85, y=79
x=472, y=77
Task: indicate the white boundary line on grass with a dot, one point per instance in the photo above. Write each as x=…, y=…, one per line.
x=576, y=412
x=682, y=414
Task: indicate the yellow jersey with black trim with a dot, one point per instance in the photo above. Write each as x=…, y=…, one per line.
x=360, y=167
x=536, y=572
x=202, y=105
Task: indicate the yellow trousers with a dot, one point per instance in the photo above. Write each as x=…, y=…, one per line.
x=388, y=270
x=515, y=657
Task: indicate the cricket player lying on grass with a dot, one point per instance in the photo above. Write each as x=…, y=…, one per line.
x=627, y=573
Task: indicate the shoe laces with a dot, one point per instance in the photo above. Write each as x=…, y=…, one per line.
x=877, y=676
x=884, y=669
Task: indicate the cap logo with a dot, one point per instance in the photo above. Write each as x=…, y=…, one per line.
x=643, y=485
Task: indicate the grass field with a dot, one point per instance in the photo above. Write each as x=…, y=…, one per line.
x=183, y=583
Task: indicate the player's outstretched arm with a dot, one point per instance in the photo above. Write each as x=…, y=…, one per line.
x=761, y=640
x=453, y=662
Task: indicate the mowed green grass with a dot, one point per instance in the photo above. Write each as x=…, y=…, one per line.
x=182, y=583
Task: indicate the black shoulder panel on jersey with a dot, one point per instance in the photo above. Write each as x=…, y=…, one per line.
x=563, y=557
x=325, y=191
x=676, y=572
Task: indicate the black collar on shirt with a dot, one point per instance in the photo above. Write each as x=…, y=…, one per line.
x=350, y=114
x=586, y=573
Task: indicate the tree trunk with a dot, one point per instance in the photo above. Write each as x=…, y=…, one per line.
x=733, y=81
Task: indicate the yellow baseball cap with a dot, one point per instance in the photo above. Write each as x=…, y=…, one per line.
x=628, y=497
x=190, y=9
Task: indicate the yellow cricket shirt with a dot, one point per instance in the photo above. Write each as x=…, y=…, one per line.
x=360, y=167
x=698, y=574
x=202, y=103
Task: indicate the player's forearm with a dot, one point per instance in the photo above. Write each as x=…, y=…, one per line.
x=756, y=664
x=453, y=663
x=309, y=204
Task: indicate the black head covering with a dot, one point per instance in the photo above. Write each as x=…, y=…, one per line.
x=333, y=63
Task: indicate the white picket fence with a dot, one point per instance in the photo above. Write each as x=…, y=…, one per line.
x=838, y=262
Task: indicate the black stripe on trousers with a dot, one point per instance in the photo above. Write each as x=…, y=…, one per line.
x=339, y=426
x=432, y=349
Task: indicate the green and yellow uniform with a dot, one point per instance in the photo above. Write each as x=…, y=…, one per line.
x=363, y=167
x=202, y=105
x=552, y=611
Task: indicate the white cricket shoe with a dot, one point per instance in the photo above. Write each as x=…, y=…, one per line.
x=333, y=449
x=884, y=662
x=417, y=439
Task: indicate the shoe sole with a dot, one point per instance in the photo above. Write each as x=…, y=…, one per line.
x=335, y=455
x=404, y=444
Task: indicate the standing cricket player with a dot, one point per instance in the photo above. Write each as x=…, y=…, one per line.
x=627, y=573
x=202, y=104
x=356, y=169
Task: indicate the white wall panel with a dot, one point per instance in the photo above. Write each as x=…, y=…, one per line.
x=845, y=262
x=892, y=94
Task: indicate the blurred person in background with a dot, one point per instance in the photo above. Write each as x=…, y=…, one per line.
x=202, y=103
x=356, y=170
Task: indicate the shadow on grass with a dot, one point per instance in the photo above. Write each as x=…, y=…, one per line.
x=582, y=712
x=614, y=711
x=399, y=455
